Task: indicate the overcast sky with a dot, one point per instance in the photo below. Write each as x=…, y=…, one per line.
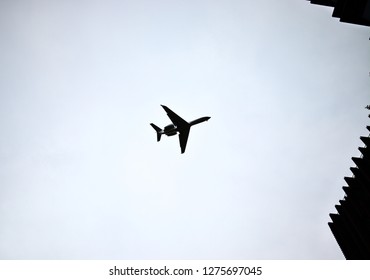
x=81, y=173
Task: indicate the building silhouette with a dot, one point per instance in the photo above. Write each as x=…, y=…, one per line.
x=350, y=11
x=351, y=225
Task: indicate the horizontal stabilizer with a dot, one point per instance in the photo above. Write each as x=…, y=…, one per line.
x=158, y=130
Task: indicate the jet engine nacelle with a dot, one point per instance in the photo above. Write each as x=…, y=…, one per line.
x=169, y=127
x=170, y=130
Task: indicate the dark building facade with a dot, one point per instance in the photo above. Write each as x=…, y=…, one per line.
x=350, y=11
x=351, y=225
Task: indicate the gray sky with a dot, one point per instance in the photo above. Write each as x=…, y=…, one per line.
x=81, y=173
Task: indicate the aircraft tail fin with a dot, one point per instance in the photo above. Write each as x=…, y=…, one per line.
x=158, y=130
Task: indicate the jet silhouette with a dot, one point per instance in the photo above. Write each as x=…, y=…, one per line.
x=178, y=125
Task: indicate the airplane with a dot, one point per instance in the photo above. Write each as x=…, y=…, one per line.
x=178, y=125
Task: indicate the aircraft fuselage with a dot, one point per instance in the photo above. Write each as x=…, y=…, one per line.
x=171, y=129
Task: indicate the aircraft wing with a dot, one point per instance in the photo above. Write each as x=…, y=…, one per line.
x=176, y=120
x=183, y=137
x=182, y=126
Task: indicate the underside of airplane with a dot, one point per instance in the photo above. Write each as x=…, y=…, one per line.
x=178, y=126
